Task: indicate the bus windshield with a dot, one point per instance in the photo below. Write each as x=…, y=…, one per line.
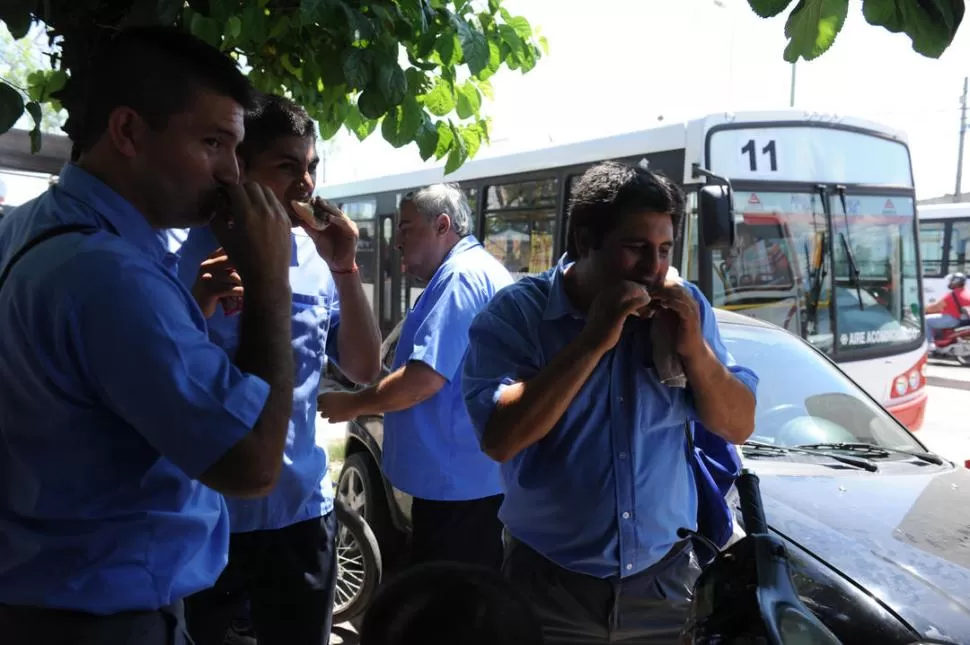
x=794, y=252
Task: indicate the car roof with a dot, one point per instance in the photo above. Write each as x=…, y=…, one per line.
x=730, y=318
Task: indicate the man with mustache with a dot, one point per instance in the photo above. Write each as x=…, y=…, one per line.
x=121, y=421
x=282, y=551
x=561, y=386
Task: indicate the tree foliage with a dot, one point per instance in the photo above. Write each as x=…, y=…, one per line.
x=416, y=69
x=812, y=25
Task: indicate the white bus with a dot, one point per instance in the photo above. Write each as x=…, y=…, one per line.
x=823, y=205
x=944, y=242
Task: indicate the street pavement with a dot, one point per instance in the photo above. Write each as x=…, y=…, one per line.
x=946, y=428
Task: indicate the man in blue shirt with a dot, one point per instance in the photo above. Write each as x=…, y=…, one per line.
x=282, y=554
x=430, y=450
x=115, y=403
x=560, y=384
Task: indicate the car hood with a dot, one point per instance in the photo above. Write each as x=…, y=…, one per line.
x=903, y=534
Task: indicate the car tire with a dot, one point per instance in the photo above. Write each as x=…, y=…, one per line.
x=359, y=566
x=361, y=487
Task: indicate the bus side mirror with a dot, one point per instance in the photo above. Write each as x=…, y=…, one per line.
x=716, y=215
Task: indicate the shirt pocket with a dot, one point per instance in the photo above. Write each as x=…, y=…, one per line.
x=660, y=406
x=311, y=315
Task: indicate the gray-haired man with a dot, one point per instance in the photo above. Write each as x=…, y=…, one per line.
x=430, y=449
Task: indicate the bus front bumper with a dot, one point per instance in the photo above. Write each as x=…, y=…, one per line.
x=910, y=412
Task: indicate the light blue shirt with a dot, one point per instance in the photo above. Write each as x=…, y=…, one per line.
x=304, y=490
x=112, y=401
x=431, y=450
x=606, y=490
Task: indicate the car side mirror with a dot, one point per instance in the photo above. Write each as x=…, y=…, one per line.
x=716, y=215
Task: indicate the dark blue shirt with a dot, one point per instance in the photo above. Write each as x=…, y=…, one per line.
x=112, y=402
x=606, y=490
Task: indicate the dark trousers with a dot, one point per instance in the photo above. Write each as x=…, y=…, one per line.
x=41, y=626
x=575, y=609
x=466, y=531
x=287, y=575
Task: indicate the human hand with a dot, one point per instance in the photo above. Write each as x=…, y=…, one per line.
x=609, y=311
x=217, y=279
x=256, y=235
x=674, y=297
x=337, y=407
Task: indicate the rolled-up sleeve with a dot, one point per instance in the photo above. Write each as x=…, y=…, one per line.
x=713, y=337
x=500, y=354
x=441, y=338
x=143, y=346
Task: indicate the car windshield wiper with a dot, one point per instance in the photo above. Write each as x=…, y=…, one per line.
x=847, y=246
x=874, y=450
x=816, y=271
x=858, y=462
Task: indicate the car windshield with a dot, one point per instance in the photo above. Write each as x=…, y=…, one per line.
x=803, y=399
x=781, y=269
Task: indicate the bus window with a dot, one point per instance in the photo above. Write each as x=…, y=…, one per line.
x=364, y=213
x=931, y=248
x=959, y=247
x=520, y=225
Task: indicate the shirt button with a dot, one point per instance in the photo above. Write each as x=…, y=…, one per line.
x=622, y=455
x=629, y=566
x=620, y=399
x=626, y=515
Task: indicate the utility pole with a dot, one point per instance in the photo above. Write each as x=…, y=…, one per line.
x=963, y=131
x=791, y=101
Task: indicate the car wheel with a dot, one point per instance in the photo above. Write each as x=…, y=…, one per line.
x=359, y=565
x=362, y=490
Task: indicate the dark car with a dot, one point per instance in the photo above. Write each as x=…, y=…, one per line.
x=878, y=527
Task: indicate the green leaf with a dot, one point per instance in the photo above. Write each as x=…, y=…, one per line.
x=544, y=44
x=33, y=108
x=356, y=67
x=206, y=29
x=292, y=64
x=311, y=10
x=474, y=46
x=471, y=136
x=427, y=139
x=445, y=138
x=401, y=124
x=358, y=125
x=11, y=106
x=469, y=100
x=440, y=100
x=486, y=89
x=930, y=25
x=16, y=14
x=812, y=27
x=392, y=82
x=521, y=27
x=448, y=48
x=35, y=137
x=372, y=104
x=769, y=8
x=234, y=27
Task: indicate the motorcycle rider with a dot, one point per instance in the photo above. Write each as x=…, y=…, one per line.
x=948, y=311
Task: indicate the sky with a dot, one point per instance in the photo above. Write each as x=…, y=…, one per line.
x=623, y=65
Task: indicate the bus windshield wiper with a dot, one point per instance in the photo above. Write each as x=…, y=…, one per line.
x=858, y=462
x=816, y=271
x=874, y=450
x=847, y=246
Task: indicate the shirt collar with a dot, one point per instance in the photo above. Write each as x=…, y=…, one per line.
x=464, y=244
x=127, y=221
x=559, y=305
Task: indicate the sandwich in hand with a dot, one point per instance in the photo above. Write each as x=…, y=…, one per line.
x=312, y=214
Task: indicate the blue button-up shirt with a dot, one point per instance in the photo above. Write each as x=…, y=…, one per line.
x=112, y=401
x=430, y=450
x=304, y=490
x=606, y=490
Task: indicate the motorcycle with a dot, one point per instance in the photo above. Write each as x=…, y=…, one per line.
x=952, y=344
